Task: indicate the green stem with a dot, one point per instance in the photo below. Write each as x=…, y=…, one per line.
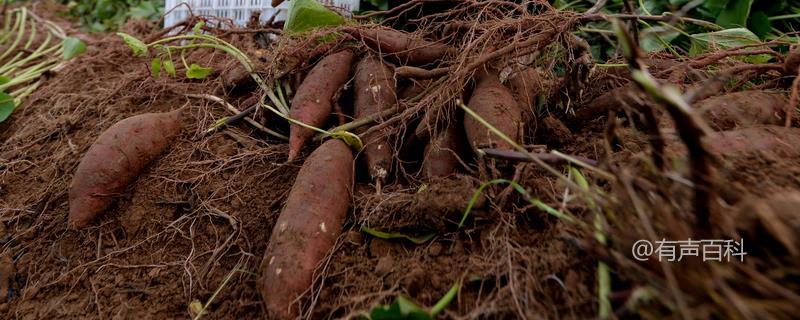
x=519, y=148
x=22, y=93
x=20, y=33
x=29, y=74
x=8, y=28
x=445, y=300
x=784, y=17
x=9, y=68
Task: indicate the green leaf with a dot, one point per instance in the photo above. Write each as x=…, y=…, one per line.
x=6, y=105
x=104, y=9
x=138, y=47
x=389, y=235
x=759, y=24
x=169, y=67
x=351, y=139
x=714, y=7
x=198, y=28
x=657, y=41
x=380, y=4
x=446, y=299
x=726, y=39
x=4, y=80
x=735, y=14
x=97, y=27
x=145, y=10
x=72, y=47
x=196, y=71
x=306, y=15
x=521, y=190
x=155, y=67
x=401, y=309
x=405, y=309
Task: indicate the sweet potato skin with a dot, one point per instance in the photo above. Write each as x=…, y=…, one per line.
x=442, y=152
x=374, y=92
x=743, y=109
x=312, y=104
x=778, y=140
x=495, y=104
x=307, y=227
x=527, y=85
x=792, y=61
x=407, y=48
x=115, y=160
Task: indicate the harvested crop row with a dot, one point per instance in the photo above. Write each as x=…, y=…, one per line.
x=313, y=102
x=115, y=160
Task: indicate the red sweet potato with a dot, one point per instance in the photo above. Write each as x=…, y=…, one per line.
x=792, y=61
x=307, y=227
x=408, y=48
x=495, y=104
x=374, y=92
x=442, y=152
x=414, y=88
x=743, y=109
x=115, y=160
x=612, y=100
x=527, y=85
x=312, y=104
x=778, y=140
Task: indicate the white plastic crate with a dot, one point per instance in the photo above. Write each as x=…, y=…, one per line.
x=239, y=10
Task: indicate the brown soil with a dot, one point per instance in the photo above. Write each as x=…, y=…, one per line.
x=198, y=219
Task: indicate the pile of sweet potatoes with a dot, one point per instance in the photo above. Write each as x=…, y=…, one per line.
x=365, y=79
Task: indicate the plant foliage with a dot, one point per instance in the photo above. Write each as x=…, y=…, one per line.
x=105, y=15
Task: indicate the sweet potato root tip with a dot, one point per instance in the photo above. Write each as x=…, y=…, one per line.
x=778, y=140
x=527, y=85
x=792, y=61
x=495, y=104
x=312, y=103
x=115, y=160
x=743, y=109
x=442, y=152
x=408, y=48
x=612, y=100
x=307, y=227
x=374, y=92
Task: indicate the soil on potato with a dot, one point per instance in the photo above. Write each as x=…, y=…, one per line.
x=198, y=219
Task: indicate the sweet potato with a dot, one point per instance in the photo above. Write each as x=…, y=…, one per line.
x=307, y=227
x=792, y=62
x=408, y=48
x=495, y=104
x=312, y=104
x=414, y=88
x=527, y=85
x=612, y=100
x=442, y=152
x=778, y=140
x=743, y=109
x=115, y=160
x=374, y=92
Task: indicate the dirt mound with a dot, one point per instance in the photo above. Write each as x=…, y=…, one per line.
x=193, y=228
